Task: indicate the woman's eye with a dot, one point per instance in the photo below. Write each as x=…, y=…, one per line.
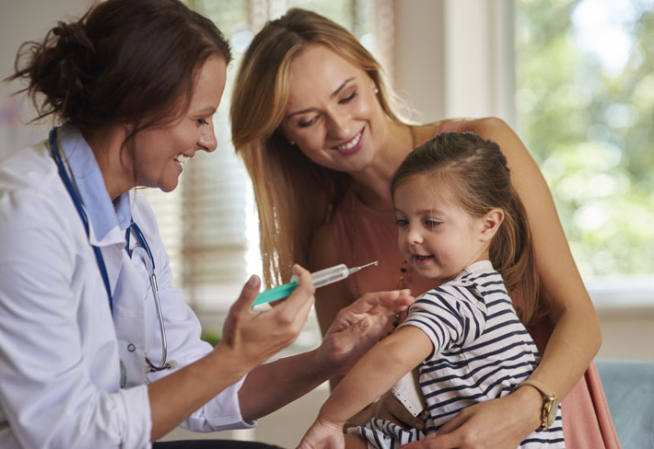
x=306, y=123
x=349, y=97
x=202, y=121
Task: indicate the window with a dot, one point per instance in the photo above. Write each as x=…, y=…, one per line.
x=585, y=103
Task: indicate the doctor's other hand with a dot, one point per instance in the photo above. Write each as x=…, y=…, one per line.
x=496, y=424
x=253, y=336
x=360, y=325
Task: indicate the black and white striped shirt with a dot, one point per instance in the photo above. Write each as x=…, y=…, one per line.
x=481, y=349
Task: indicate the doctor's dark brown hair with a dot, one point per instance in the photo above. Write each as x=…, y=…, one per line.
x=131, y=62
x=475, y=175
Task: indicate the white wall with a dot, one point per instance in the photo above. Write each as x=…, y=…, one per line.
x=455, y=57
x=20, y=21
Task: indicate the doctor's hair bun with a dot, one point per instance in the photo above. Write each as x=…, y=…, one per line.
x=124, y=62
x=58, y=69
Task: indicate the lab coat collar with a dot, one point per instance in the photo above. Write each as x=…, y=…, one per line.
x=108, y=219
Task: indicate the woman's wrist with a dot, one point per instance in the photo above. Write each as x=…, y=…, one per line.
x=324, y=362
x=230, y=364
x=531, y=405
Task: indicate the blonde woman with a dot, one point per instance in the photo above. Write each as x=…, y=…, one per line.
x=319, y=131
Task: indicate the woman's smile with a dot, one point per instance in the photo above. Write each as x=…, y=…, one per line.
x=352, y=145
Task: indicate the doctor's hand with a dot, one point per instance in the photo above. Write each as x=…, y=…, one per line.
x=253, y=336
x=359, y=326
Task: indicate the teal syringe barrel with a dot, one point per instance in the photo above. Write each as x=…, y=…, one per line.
x=320, y=279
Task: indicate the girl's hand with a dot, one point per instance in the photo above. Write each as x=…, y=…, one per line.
x=359, y=326
x=496, y=424
x=323, y=435
x=251, y=336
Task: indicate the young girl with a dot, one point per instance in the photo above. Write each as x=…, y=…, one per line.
x=458, y=217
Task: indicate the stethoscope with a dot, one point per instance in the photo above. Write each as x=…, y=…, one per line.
x=143, y=250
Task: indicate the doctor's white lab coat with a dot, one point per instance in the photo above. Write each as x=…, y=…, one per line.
x=60, y=347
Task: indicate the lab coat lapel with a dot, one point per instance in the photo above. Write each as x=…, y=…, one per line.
x=112, y=246
x=129, y=290
x=130, y=320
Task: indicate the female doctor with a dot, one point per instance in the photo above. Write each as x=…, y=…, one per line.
x=97, y=349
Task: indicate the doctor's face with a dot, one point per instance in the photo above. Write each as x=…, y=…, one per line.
x=332, y=113
x=162, y=152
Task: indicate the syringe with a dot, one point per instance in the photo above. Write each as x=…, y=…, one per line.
x=320, y=279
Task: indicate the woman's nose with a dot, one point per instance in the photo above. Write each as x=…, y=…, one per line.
x=339, y=126
x=207, y=140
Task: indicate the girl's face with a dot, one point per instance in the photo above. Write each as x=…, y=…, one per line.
x=332, y=114
x=435, y=235
x=162, y=152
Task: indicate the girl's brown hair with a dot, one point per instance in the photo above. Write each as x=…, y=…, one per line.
x=124, y=62
x=293, y=194
x=477, y=177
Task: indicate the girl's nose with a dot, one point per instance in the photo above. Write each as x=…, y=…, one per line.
x=414, y=237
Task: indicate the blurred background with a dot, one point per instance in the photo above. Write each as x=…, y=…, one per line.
x=574, y=78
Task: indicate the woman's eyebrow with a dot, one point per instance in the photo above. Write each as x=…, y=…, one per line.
x=333, y=94
x=340, y=88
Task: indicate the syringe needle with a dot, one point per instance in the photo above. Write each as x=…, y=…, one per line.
x=355, y=269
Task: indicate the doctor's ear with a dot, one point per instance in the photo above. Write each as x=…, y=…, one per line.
x=490, y=223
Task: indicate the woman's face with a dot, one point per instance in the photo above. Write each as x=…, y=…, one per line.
x=332, y=114
x=161, y=152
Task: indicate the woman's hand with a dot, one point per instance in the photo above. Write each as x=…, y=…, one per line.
x=359, y=326
x=496, y=424
x=253, y=336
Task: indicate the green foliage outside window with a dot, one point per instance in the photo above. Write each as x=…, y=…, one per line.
x=585, y=108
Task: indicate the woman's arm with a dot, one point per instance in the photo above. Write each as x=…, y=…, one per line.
x=576, y=337
x=249, y=339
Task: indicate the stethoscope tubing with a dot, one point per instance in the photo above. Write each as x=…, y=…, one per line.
x=148, y=260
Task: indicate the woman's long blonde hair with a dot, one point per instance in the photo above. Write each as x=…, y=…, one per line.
x=294, y=195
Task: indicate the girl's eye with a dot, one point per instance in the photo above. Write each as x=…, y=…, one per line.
x=432, y=223
x=401, y=222
x=349, y=97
